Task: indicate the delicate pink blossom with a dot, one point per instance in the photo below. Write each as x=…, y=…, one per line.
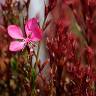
x=33, y=34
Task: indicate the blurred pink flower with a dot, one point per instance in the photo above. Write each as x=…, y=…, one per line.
x=33, y=34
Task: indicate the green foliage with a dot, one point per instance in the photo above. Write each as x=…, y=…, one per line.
x=14, y=64
x=33, y=78
x=15, y=20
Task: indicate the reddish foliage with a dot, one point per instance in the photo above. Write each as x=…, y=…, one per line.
x=75, y=64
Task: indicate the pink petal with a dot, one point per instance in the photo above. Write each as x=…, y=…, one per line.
x=16, y=46
x=30, y=25
x=36, y=35
x=33, y=30
x=15, y=32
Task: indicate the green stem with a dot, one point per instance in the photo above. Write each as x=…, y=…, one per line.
x=33, y=92
x=37, y=55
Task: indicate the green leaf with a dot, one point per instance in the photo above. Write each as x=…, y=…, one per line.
x=15, y=20
x=14, y=64
x=33, y=77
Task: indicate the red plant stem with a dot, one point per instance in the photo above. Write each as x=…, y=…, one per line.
x=58, y=79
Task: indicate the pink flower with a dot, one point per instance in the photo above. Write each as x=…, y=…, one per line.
x=33, y=34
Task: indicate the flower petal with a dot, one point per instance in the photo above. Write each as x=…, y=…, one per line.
x=16, y=46
x=15, y=32
x=33, y=31
x=30, y=25
x=36, y=35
